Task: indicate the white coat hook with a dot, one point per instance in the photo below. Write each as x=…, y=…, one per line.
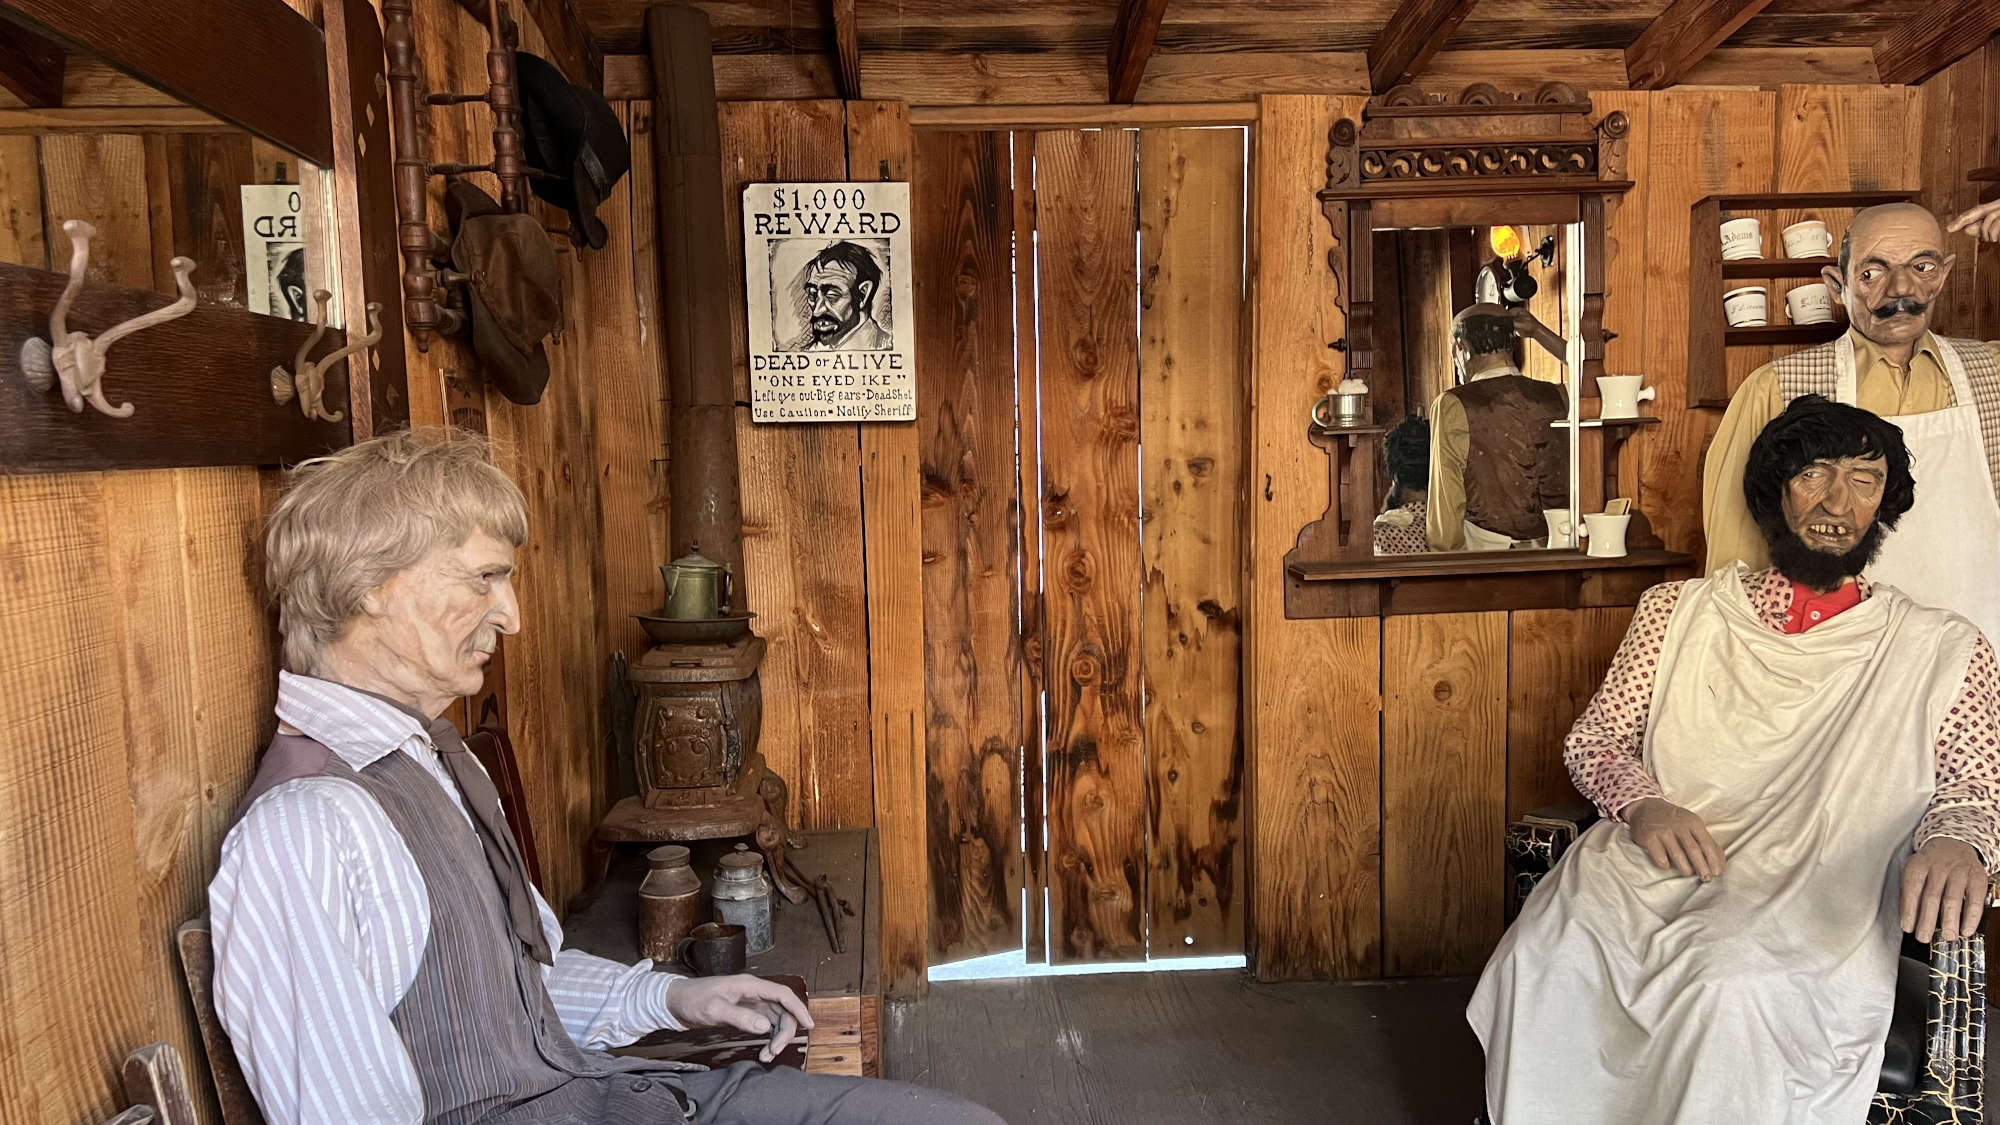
x=307, y=379
x=73, y=358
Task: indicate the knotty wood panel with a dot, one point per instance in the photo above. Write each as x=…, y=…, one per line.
x=1444, y=766
x=1191, y=394
x=1955, y=109
x=1556, y=658
x=879, y=148
x=1096, y=771
x=802, y=537
x=627, y=387
x=963, y=205
x=1312, y=730
x=1702, y=142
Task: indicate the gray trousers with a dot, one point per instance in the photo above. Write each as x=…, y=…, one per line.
x=749, y=1094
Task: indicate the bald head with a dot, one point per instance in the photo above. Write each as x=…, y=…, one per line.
x=1892, y=267
x=1908, y=218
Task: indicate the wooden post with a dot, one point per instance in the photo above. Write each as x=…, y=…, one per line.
x=705, y=501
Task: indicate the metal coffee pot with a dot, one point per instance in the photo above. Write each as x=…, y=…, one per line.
x=697, y=587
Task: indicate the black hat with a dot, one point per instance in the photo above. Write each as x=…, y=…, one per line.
x=514, y=297
x=572, y=133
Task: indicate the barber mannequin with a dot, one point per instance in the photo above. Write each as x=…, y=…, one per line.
x=1496, y=461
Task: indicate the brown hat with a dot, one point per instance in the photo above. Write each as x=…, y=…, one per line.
x=515, y=296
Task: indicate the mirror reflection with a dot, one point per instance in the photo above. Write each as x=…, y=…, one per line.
x=168, y=182
x=1475, y=349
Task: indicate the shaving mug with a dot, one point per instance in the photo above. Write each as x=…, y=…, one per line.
x=714, y=949
x=1606, y=534
x=1810, y=304
x=1560, y=533
x=1809, y=239
x=1746, y=307
x=1622, y=395
x=1742, y=238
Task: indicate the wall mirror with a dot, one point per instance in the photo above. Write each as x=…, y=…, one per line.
x=1476, y=352
x=1493, y=205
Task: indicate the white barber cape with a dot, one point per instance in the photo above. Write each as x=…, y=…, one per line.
x=1626, y=994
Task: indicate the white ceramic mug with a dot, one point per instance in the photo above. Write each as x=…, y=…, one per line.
x=1622, y=395
x=1561, y=533
x=1746, y=307
x=1809, y=239
x=1606, y=534
x=1742, y=238
x=1810, y=304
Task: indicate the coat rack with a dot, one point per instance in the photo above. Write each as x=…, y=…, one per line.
x=74, y=359
x=425, y=313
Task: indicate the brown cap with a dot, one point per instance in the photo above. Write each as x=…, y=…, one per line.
x=515, y=295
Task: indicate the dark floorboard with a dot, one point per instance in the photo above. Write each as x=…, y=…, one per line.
x=1202, y=1047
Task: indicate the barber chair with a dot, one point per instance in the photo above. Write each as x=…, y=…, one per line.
x=1931, y=1069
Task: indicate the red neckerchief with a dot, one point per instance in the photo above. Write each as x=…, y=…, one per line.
x=1810, y=609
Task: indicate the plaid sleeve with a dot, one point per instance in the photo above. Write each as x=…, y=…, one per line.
x=1966, y=804
x=1604, y=750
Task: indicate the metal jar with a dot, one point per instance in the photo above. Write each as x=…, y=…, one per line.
x=669, y=902
x=743, y=896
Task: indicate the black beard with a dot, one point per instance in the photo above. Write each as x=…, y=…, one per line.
x=1819, y=570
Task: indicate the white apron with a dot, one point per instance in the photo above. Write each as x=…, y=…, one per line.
x=1638, y=996
x=1945, y=551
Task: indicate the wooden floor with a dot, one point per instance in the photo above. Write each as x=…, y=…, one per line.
x=1206, y=1047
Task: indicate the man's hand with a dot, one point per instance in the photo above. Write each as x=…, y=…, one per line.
x=1674, y=838
x=746, y=1003
x=1944, y=888
x=1981, y=222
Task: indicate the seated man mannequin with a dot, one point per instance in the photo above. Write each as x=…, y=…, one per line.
x=1399, y=530
x=1767, y=749
x=1496, y=463
x=380, y=954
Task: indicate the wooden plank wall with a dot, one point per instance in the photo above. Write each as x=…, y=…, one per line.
x=136, y=650
x=1376, y=841
x=1961, y=116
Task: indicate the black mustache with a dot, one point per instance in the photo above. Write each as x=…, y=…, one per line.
x=1907, y=305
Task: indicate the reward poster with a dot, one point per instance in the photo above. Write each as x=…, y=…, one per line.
x=828, y=272
x=274, y=250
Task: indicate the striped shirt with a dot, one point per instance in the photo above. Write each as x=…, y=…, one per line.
x=320, y=919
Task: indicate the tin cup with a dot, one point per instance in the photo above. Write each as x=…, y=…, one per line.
x=714, y=949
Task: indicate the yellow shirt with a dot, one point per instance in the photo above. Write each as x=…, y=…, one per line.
x=1881, y=387
x=1451, y=440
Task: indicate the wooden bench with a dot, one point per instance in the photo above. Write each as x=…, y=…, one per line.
x=844, y=991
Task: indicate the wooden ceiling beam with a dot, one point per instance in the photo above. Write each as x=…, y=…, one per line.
x=846, y=47
x=1934, y=38
x=1681, y=37
x=1132, y=41
x=1410, y=38
x=31, y=67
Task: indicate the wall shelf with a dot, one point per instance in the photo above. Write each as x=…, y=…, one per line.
x=1709, y=335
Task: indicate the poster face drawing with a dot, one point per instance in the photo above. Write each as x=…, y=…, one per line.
x=826, y=283
x=274, y=251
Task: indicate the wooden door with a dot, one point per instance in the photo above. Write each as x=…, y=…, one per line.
x=1084, y=733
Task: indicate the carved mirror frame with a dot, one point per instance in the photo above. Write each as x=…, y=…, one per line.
x=1477, y=159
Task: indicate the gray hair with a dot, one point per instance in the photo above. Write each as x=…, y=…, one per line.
x=351, y=520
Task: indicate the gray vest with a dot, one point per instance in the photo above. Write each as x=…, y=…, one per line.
x=487, y=1044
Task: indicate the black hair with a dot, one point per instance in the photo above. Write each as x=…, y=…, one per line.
x=1846, y=240
x=1486, y=334
x=860, y=261
x=1815, y=428
x=1408, y=449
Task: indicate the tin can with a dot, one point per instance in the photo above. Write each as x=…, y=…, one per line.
x=669, y=902
x=743, y=896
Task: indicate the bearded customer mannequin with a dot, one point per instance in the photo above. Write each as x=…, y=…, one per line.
x=1943, y=393
x=1793, y=765
x=1496, y=463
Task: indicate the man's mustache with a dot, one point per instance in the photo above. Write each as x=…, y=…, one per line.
x=825, y=322
x=1909, y=306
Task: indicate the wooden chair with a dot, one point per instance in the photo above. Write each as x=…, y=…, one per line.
x=495, y=751
x=232, y=1090
x=156, y=1083
x=1932, y=1064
